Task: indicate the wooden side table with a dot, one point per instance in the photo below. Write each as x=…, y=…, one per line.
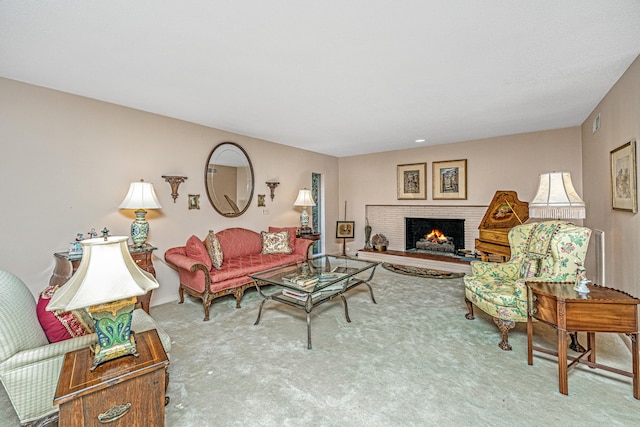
x=67, y=264
x=601, y=310
x=129, y=391
x=310, y=236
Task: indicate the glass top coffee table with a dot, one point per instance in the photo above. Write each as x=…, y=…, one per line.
x=309, y=283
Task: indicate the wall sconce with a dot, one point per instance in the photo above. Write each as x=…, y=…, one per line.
x=174, y=182
x=272, y=186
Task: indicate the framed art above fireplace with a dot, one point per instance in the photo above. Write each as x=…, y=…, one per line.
x=412, y=181
x=450, y=180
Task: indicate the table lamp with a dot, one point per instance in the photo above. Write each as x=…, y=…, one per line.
x=141, y=196
x=305, y=200
x=107, y=282
x=557, y=198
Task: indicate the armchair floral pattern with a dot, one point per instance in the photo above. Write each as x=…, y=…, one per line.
x=546, y=251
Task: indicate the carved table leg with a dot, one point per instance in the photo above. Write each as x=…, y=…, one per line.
x=636, y=365
x=167, y=399
x=562, y=362
x=504, y=326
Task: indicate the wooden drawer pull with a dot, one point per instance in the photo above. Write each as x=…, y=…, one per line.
x=114, y=413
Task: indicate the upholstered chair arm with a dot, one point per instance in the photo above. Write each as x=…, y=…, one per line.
x=302, y=246
x=520, y=292
x=501, y=270
x=38, y=354
x=141, y=322
x=180, y=260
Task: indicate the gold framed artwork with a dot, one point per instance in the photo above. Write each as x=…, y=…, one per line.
x=344, y=229
x=450, y=180
x=194, y=201
x=623, y=178
x=412, y=181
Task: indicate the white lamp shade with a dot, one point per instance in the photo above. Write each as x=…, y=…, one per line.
x=304, y=198
x=557, y=198
x=141, y=195
x=106, y=273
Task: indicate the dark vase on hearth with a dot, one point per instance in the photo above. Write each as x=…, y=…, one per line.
x=367, y=236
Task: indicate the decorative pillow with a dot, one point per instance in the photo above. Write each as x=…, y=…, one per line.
x=292, y=234
x=195, y=249
x=214, y=249
x=62, y=325
x=276, y=243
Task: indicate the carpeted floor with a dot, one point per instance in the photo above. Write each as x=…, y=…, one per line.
x=410, y=360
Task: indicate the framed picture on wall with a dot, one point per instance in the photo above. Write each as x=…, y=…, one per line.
x=450, y=180
x=412, y=181
x=623, y=178
x=344, y=229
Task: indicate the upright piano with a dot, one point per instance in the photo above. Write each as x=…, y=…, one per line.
x=505, y=212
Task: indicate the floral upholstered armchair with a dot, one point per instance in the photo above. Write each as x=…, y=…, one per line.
x=546, y=251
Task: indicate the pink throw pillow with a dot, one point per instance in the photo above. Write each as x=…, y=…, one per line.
x=292, y=235
x=60, y=326
x=195, y=249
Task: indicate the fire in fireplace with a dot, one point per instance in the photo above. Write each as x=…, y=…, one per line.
x=441, y=235
x=436, y=241
x=436, y=236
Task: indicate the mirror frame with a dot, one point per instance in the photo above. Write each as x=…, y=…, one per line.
x=210, y=190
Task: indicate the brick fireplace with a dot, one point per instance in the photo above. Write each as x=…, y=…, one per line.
x=390, y=221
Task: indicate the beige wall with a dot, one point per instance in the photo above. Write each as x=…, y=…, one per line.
x=66, y=164
x=619, y=123
x=506, y=163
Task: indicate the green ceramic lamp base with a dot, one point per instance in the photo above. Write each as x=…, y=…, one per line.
x=113, y=326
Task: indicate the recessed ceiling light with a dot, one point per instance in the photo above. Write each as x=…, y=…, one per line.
x=420, y=141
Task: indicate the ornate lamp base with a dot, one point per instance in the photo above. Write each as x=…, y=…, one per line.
x=139, y=228
x=113, y=326
x=304, y=218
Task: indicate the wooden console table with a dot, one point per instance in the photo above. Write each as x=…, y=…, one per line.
x=128, y=391
x=67, y=264
x=601, y=310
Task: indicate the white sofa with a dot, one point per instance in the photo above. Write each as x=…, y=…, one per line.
x=29, y=365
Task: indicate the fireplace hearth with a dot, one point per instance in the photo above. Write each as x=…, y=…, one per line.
x=437, y=235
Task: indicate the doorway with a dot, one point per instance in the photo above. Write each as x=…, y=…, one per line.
x=316, y=211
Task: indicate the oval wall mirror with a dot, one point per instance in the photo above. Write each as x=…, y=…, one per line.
x=228, y=178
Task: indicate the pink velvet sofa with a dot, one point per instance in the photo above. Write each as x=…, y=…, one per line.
x=242, y=254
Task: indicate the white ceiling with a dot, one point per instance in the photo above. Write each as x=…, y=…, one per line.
x=341, y=77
